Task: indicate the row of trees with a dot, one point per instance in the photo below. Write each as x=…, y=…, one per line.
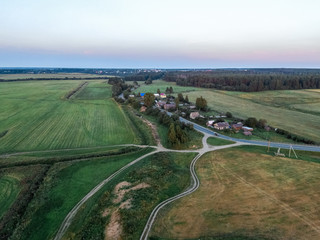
x=246, y=81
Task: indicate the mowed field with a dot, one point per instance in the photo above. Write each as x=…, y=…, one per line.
x=38, y=117
x=246, y=194
x=9, y=190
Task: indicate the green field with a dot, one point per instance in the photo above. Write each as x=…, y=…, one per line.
x=218, y=141
x=162, y=85
x=37, y=117
x=65, y=185
x=9, y=190
x=47, y=75
x=162, y=175
x=278, y=111
x=247, y=194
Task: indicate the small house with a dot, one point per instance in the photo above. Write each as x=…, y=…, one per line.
x=161, y=104
x=142, y=94
x=210, y=122
x=194, y=115
x=247, y=129
x=247, y=133
x=237, y=126
x=221, y=125
x=156, y=95
x=169, y=106
x=163, y=95
x=131, y=96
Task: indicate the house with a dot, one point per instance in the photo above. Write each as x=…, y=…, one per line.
x=160, y=104
x=237, y=126
x=169, y=106
x=221, y=125
x=156, y=95
x=247, y=129
x=131, y=96
x=210, y=122
x=142, y=94
x=163, y=95
x=220, y=116
x=194, y=115
x=247, y=133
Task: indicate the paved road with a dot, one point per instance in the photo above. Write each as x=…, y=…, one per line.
x=254, y=142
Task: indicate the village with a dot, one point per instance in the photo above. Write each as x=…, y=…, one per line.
x=221, y=122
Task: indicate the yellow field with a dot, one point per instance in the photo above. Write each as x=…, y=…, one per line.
x=246, y=194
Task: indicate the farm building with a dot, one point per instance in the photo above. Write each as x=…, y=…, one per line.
x=163, y=95
x=156, y=95
x=209, y=123
x=131, y=96
x=237, y=126
x=247, y=129
x=247, y=133
x=221, y=125
x=169, y=106
x=161, y=104
x=194, y=115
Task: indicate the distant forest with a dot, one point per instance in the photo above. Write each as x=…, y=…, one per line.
x=252, y=80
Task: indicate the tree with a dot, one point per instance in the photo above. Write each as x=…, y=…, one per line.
x=158, y=91
x=171, y=90
x=186, y=99
x=201, y=103
x=180, y=97
x=149, y=99
x=228, y=114
x=262, y=123
x=176, y=100
x=251, y=122
x=172, y=137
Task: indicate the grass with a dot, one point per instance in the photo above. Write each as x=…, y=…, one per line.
x=37, y=118
x=166, y=174
x=65, y=185
x=218, y=141
x=162, y=85
x=9, y=190
x=280, y=112
x=246, y=193
x=47, y=75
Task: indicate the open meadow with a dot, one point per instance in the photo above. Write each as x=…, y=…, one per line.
x=246, y=193
x=37, y=116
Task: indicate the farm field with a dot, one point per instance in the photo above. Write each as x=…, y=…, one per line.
x=47, y=75
x=297, y=122
x=126, y=203
x=9, y=190
x=245, y=193
x=162, y=85
x=37, y=117
x=65, y=185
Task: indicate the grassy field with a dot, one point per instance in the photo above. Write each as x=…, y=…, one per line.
x=65, y=184
x=38, y=118
x=9, y=190
x=300, y=123
x=146, y=184
x=218, y=141
x=47, y=75
x=247, y=194
x=162, y=85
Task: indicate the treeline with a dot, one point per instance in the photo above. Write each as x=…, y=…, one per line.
x=118, y=86
x=247, y=81
x=294, y=137
x=144, y=76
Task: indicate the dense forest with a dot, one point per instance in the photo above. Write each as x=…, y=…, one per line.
x=252, y=80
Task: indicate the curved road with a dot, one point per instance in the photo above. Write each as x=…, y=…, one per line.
x=253, y=142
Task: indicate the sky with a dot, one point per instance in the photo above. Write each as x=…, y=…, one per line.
x=160, y=33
